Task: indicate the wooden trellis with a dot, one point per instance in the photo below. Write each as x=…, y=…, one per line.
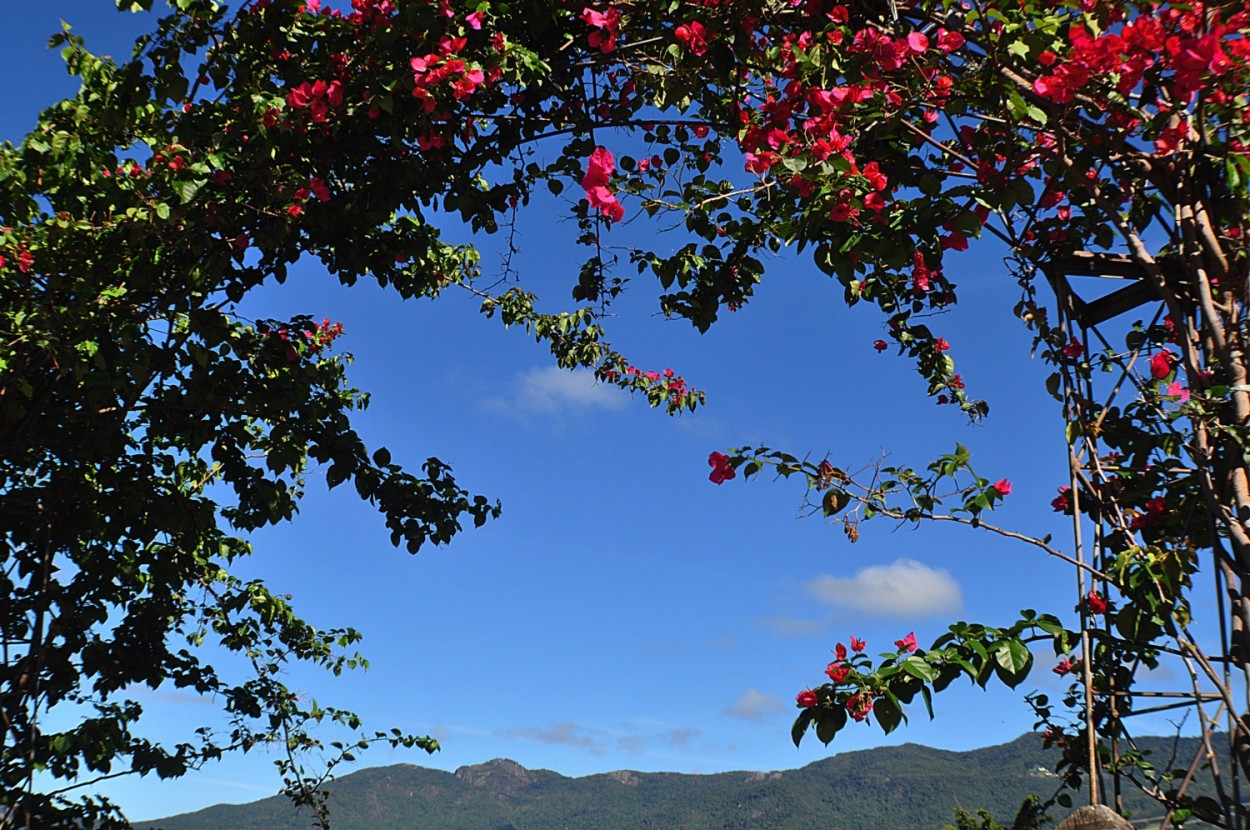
x=1088, y=398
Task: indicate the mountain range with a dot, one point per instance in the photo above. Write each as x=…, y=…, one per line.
x=909, y=786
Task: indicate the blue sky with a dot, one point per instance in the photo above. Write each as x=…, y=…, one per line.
x=625, y=612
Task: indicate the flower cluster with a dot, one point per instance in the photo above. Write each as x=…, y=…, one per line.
x=308, y=337
x=852, y=684
x=665, y=388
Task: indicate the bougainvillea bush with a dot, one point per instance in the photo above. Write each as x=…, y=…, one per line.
x=147, y=427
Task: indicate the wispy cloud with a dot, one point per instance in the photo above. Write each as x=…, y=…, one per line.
x=563, y=734
x=905, y=588
x=795, y=626
x=754, y=705
x=549, y=390
x=680, y=737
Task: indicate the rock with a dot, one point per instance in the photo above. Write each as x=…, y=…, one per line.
x=500, y=775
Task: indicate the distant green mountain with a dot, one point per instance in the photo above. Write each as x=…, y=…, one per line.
x=908, y=787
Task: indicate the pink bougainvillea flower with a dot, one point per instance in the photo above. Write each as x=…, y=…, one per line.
x=1002, y=487
x=599, y=169
x=722, y=471
x=1161, y=364
x=1175, y=390
x=908, y=643
x=1095, y=603
x=807, y=699
x=475, y=19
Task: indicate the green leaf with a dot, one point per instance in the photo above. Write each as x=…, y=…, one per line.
x=188, y=189
x=829, y=723
x=801, y=725
x=1207, y=809
x=1013, y=660
x=834, y=501
x=919, y=668
x=888, y=712
x=162, y=210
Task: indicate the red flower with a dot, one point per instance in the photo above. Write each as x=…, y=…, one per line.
x=837, y=672
x=807, y=699
x=722, y=471
x=1003, y=487
x=859, y=706
x=840, y=652
x=858, y=645
x=319, y=189
x=25, y=259
x=1064, y=666
x=880, y=345
x=1097, y=605
x=607, y=22
x=1161, y=364
x=1063, y=502
x=1155, y=508
x=949, y=41
x=1074, y=349
x=843, y=212
x=876, y=179
x=693, y=36
x=908, y=643
x=599, y=169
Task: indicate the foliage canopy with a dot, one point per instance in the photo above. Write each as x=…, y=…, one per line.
x=146, y=427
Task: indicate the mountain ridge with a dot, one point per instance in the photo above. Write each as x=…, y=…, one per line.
x=905, y=786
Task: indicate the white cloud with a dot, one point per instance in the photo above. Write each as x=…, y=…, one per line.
x=754, y=705
x=551, y=390
x=905, y=588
